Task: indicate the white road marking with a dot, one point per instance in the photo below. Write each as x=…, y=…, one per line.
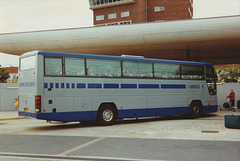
x=81, y=146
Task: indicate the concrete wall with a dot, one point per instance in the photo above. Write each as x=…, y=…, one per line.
x=224, y=91
x=8, y=93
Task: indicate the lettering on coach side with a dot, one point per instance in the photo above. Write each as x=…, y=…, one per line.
x=27, y=84
x=194, y=86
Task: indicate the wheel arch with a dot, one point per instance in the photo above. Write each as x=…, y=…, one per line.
x=197, y=102
x=112, y=104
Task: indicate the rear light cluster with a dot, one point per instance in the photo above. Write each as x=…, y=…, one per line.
x=37, y=104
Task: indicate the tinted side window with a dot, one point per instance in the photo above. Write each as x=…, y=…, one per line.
x=192, y=72
x=137, y=69
x=166, y=70
x=53, y=66
x=103, y=68
x=74, y=67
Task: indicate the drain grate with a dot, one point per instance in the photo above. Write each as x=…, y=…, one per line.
x=206, y=131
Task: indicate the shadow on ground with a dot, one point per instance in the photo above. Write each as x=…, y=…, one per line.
x=55, y=125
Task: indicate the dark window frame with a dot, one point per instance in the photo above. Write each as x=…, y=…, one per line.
x=152, y=64
x=180, y=76
x=44, y=66
x=121, y=66
x=212, y=91
x=86, y=69
x=181, y=71
x=64, y=67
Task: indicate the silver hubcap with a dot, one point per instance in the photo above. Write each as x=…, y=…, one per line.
x=196, y=109
x=107, y=115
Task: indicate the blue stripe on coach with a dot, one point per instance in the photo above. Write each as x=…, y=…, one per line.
x=111, y=86
x=81, y=85
x=73, y=85
x=94, y=85
x=173, y=86
x=114, y=86
x=129, y=86
x=148, y=86
x=122, y=113
x=67, y=85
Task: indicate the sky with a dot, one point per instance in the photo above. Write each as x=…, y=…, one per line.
x=30, y=15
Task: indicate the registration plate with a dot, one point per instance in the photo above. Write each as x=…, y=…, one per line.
x=26, y=109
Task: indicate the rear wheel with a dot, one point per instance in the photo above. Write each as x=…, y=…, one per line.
x=107, y=114
x=195, y=109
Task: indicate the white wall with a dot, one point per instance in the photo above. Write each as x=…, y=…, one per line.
x=8, y=93
x=224, y=91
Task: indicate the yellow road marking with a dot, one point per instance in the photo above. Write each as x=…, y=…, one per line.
x=5, y=119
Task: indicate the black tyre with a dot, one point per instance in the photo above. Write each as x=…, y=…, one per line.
x=107, y=114
x=226, y=105
x=195, y=110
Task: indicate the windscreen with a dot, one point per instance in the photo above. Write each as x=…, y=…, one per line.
x=211, y=80
x=27, y=63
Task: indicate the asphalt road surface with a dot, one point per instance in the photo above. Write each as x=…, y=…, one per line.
x=165, y=138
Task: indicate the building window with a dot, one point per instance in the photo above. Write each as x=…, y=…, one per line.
x=125, y=22
x=112, y=16
x=99, y=3
x=190, y=12
x=125, y=14
x=159, y=9
x=100, y=17
x=116, y=23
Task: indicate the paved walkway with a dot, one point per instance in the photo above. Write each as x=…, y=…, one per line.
x=13, y=115
x=7, y=115
x=10, y=115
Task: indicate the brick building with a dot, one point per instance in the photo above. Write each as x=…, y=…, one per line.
x=115, y=12
x=13, y=72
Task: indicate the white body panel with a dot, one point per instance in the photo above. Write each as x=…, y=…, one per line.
x=67, y=95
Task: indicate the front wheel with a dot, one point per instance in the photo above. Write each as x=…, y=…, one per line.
x=195, y=110
x=106, y=115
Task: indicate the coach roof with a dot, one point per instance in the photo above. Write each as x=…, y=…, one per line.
x=123, y=57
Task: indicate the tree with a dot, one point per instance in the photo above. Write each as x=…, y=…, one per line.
x=228, y=73
x=3, y=75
